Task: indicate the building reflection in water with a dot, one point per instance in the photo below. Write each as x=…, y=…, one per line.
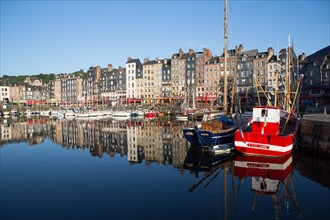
x=161, y=141
x=153, y=141
x=32, y=131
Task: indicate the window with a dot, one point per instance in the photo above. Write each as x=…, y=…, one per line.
x=264, y=113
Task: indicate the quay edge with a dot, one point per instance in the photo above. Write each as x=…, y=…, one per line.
x=314, y=133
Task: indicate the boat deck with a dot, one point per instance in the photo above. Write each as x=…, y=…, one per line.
x=290, y=126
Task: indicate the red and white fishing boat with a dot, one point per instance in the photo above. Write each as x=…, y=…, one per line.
x=271, y=130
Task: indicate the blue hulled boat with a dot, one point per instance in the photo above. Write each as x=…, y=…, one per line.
x=211, y=133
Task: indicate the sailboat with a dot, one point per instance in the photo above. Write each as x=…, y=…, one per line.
x=188, y=106
x=271, y=130
x=219, y=133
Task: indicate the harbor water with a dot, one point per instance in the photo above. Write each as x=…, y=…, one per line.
x=145, y=169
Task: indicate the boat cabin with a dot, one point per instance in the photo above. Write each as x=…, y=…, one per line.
x=264, y=185
x=266, y=120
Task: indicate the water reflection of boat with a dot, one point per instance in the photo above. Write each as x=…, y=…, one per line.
x=213, y=165
x=270, y=177
x=273, y=168
x=198, y=160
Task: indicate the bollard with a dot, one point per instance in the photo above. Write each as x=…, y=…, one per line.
x=325, y=110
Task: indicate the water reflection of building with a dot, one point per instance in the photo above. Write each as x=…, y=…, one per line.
x=32, y=131
x=179, y=146
x=154, y=141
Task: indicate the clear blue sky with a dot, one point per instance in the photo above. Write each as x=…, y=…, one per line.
x=66, y=36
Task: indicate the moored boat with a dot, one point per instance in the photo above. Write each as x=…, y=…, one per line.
x=211, y=133
x=267, y=133
x=121, y=114
x=216, y=132
x=151, y=113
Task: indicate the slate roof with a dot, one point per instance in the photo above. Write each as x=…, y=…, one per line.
x=320, y=53
x=134, y=61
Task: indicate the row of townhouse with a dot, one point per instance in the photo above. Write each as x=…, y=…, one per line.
x=316, y=71
x=202, y=74
x=22, y=93
x=184, y=74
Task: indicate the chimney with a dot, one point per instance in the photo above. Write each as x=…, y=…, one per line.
x=129, y=59
x=191, y=51
x=109, y=67
x=180, y=53
x=98, y=73
x=240, y=49
x=302, y=57
x=145, y=60
x=207, y=54
x=270, y=52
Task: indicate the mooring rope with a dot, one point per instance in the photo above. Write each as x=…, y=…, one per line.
x=316, y=131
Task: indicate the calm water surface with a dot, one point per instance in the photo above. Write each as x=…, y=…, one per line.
x=145, y=169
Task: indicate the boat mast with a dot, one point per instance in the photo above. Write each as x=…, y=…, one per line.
x=288, y=90
x=276, y=87
x=234, y=83
x=225, y=41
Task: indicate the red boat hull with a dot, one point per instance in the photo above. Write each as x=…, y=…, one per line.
x=265, y=145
